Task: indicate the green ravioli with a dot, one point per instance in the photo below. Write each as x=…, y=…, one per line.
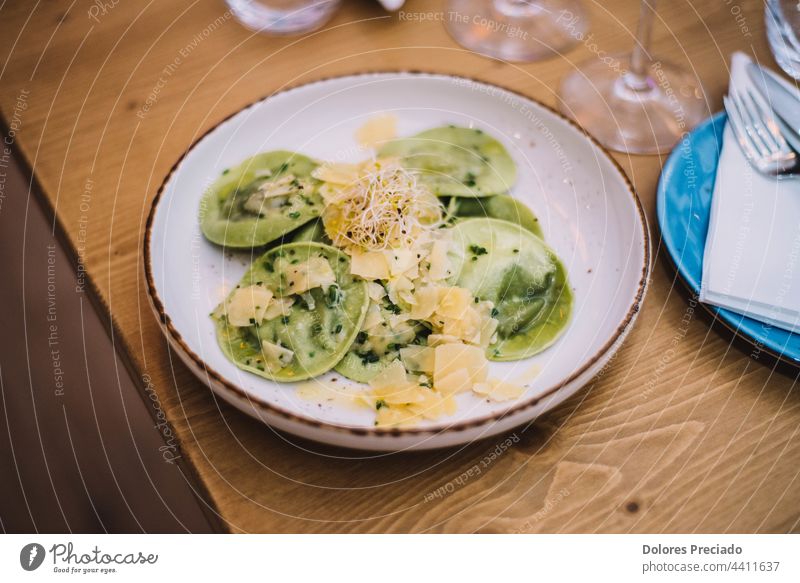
x=260, y=200
x=509, y=266
x=456, y=161
x=318, y=328
x=501, y=206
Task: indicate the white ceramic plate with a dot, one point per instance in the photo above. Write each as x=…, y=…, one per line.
x=588, y=210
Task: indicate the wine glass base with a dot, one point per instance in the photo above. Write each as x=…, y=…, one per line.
x=626, y=114
x=293, y=18
x=517, y=31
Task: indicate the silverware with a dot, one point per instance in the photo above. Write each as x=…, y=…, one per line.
x=759, y=136
x=783, y=102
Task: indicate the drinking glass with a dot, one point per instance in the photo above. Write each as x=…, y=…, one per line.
x=633, y=103
x=516, y=30
x=282, y=16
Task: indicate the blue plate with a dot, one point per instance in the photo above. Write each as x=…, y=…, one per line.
x=684, y=207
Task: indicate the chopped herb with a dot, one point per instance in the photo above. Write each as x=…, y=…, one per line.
x=470, y=179
x=362, y=337
x=478, y=250
x=477, y=299
x=294, y=215
x=337, y=328
x=369, y=357
x=224, y=172
x=495, y=312
x=316, y=328
x=334, y=296
x=516, y=250
x=282, y=168
x=312, y=354
x=380, y=403
x=284, y=319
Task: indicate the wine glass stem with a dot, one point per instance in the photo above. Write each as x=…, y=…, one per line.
x=637, y=77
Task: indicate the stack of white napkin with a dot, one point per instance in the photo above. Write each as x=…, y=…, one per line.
x=751, y=263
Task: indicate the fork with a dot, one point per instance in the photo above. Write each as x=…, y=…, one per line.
x=759, y=136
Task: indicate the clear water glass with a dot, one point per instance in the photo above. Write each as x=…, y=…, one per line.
x=516, y=30
x=283, y=16
x=783, y=33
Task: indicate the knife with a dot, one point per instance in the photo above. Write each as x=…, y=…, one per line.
x=783, y=102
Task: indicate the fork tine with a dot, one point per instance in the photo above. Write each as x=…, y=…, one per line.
x=737, y=125
x=759, y=116
x=771, y=128
x=750, y=125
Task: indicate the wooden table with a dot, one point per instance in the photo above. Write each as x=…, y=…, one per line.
x=701, y=438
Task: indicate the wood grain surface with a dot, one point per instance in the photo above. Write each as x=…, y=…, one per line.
x=686, y=430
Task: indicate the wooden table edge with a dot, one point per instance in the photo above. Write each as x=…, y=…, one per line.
x=118, y=340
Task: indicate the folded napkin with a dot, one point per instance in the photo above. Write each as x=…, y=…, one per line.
x=751, y=263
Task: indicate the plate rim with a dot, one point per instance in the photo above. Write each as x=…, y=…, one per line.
x=175, y=338
x=727, y=318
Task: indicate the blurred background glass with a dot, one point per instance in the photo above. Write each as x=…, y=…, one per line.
x=283, y=16
x=634, y=103
x=783, y=33
x=516, y=30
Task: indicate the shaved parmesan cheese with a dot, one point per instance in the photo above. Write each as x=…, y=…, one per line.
x=394, y=374
x=418, y=358
x=376, y=291
x=282, y=187
x=456, y=382
x=369, y=265
x=377, y=130
x=439, y=262
x=402, y=262
x=439, y=339
x=451, y=358
x=315, y=272
x=498, y=390
x=402, y=395
x=433, y=405
x=339, y=174
x=278, y=307
x=247, y=305
x=394, y=416
x=399, y=289
x=374, y=317
x=275, y=355
x=426, y=299
x=454, y=302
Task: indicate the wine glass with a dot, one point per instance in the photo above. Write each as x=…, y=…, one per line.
x=516, y=30
x=282, y=16
x=633, y=103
